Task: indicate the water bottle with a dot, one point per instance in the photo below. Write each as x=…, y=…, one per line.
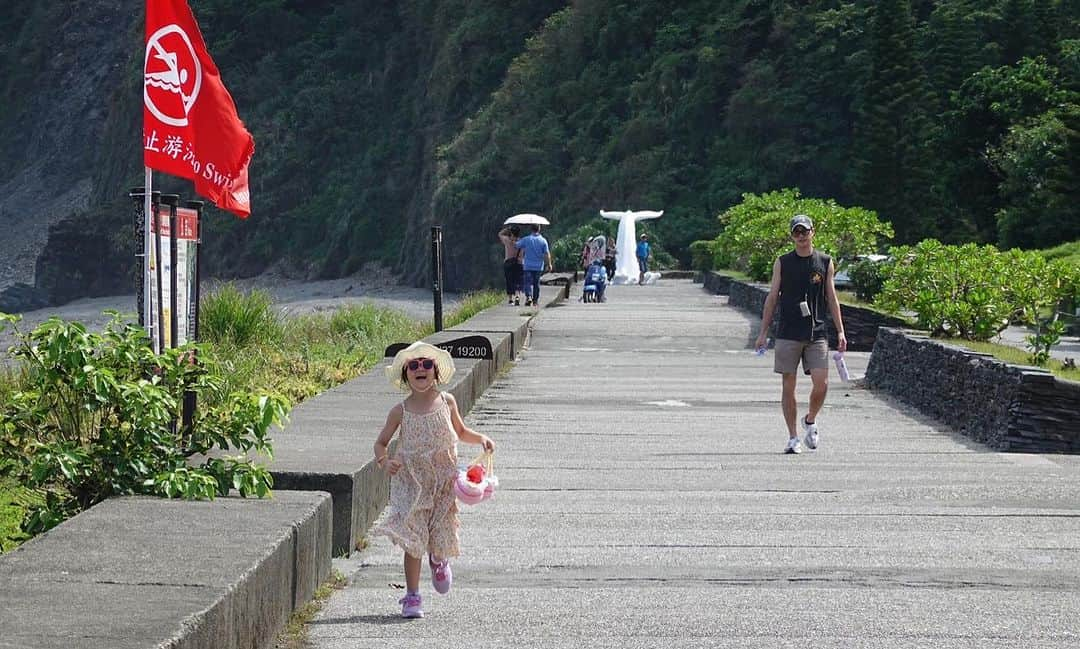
x=841, y=366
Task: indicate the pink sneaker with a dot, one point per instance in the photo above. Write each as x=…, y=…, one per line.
x=410, y=606
x=441, y=575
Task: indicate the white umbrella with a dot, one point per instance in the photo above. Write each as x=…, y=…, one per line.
x=526, y=219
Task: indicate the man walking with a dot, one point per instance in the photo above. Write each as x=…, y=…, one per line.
x=537, y=258
x=802, y=282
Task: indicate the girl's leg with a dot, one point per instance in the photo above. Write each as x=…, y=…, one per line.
x=412, y=573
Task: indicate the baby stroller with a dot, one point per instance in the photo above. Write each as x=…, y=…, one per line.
x=595, y=282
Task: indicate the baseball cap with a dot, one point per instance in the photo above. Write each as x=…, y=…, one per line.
x=801, y=221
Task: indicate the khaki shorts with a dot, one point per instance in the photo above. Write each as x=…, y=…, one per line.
x=787, y=354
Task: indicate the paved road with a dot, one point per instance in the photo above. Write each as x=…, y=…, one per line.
x=645, y=502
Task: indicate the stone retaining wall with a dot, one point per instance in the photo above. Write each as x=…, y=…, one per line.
x=860, y=325
x=1007, y=407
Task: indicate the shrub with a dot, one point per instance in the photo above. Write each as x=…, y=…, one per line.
x=566, y=249
x=95, y=415
x=756, y=231
x=867, y=278
x=971, y=291
x=702, y=255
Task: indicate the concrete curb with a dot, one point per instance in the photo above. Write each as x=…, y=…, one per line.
x=326, y=445
x=152, y=572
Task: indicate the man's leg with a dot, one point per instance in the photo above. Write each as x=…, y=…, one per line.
x=536, y=286
x=820, y=377
x=787, y=403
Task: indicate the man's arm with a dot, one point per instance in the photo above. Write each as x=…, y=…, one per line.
x=834, y=308
x=770, y=305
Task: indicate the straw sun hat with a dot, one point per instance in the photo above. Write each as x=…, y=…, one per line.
x=443, y=363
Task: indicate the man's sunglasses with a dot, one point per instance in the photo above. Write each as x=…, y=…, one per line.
x=800, y=232
x=427, y=364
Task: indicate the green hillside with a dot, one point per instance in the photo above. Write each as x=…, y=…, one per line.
x=372, y=121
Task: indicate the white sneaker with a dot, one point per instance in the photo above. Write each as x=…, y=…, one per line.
x=793, y=446
x=811, y=436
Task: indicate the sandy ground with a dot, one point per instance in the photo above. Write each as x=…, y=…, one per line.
x=291, y=297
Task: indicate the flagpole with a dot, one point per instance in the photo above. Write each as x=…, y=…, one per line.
x=147, y=223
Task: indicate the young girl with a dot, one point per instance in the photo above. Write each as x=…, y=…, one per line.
x=422, y=516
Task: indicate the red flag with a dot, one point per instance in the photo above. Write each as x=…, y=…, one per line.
x=190, y=125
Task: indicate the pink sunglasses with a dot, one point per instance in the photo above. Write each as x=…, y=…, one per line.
x=427, y=363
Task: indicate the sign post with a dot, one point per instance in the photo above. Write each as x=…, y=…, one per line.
x=140, y=227
x=436, y=273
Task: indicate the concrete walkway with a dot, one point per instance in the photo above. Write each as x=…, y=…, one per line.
x=645, y=502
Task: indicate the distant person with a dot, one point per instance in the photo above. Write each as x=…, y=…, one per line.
x=537, y=258
x=802, y=282
x=595, y=249
x=609, y=259
x=595, y=282
x=422, y=515
x=512, y=271
x=643, y=252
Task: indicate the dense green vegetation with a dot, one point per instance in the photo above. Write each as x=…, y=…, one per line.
x=756, y=231
x=94, y=415
x=951, y=119
x=78, y=424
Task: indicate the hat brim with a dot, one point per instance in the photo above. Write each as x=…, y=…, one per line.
x=444, y=363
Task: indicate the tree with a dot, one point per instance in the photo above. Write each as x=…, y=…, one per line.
x=1040, y=164
x=887, y=171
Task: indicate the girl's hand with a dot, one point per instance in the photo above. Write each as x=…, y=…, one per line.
x=486, y=442
x=393, y=465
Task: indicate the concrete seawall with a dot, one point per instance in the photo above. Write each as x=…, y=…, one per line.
x=150, y=572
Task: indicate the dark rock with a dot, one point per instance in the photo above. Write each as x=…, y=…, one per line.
x=19, y=298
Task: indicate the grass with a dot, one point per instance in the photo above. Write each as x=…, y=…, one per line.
x=848, y=298
x=294, y=636
x=734, y=274
x=259, y=352
x=1067, y=251
x=1014, y=356
x=10, y=517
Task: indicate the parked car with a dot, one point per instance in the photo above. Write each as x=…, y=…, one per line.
x=842, y=280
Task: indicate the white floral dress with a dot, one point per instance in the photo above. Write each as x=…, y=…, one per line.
x=422, y=516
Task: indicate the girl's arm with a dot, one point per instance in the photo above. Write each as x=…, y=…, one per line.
x=465, y=433
x=393, y=420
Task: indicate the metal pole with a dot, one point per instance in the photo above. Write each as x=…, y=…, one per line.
x=171, y=201
x=174, y=317
x=198, y=207
x=187, y=417
x=141, y=226
x=436, y=273
x=159, y=314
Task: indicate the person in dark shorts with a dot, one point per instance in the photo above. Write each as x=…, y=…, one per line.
x=512, y=271
x=802, y=286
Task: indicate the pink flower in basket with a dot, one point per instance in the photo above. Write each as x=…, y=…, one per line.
x=477, y=483
x=467, y=491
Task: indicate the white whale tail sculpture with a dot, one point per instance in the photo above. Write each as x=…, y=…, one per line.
x=626, y=266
